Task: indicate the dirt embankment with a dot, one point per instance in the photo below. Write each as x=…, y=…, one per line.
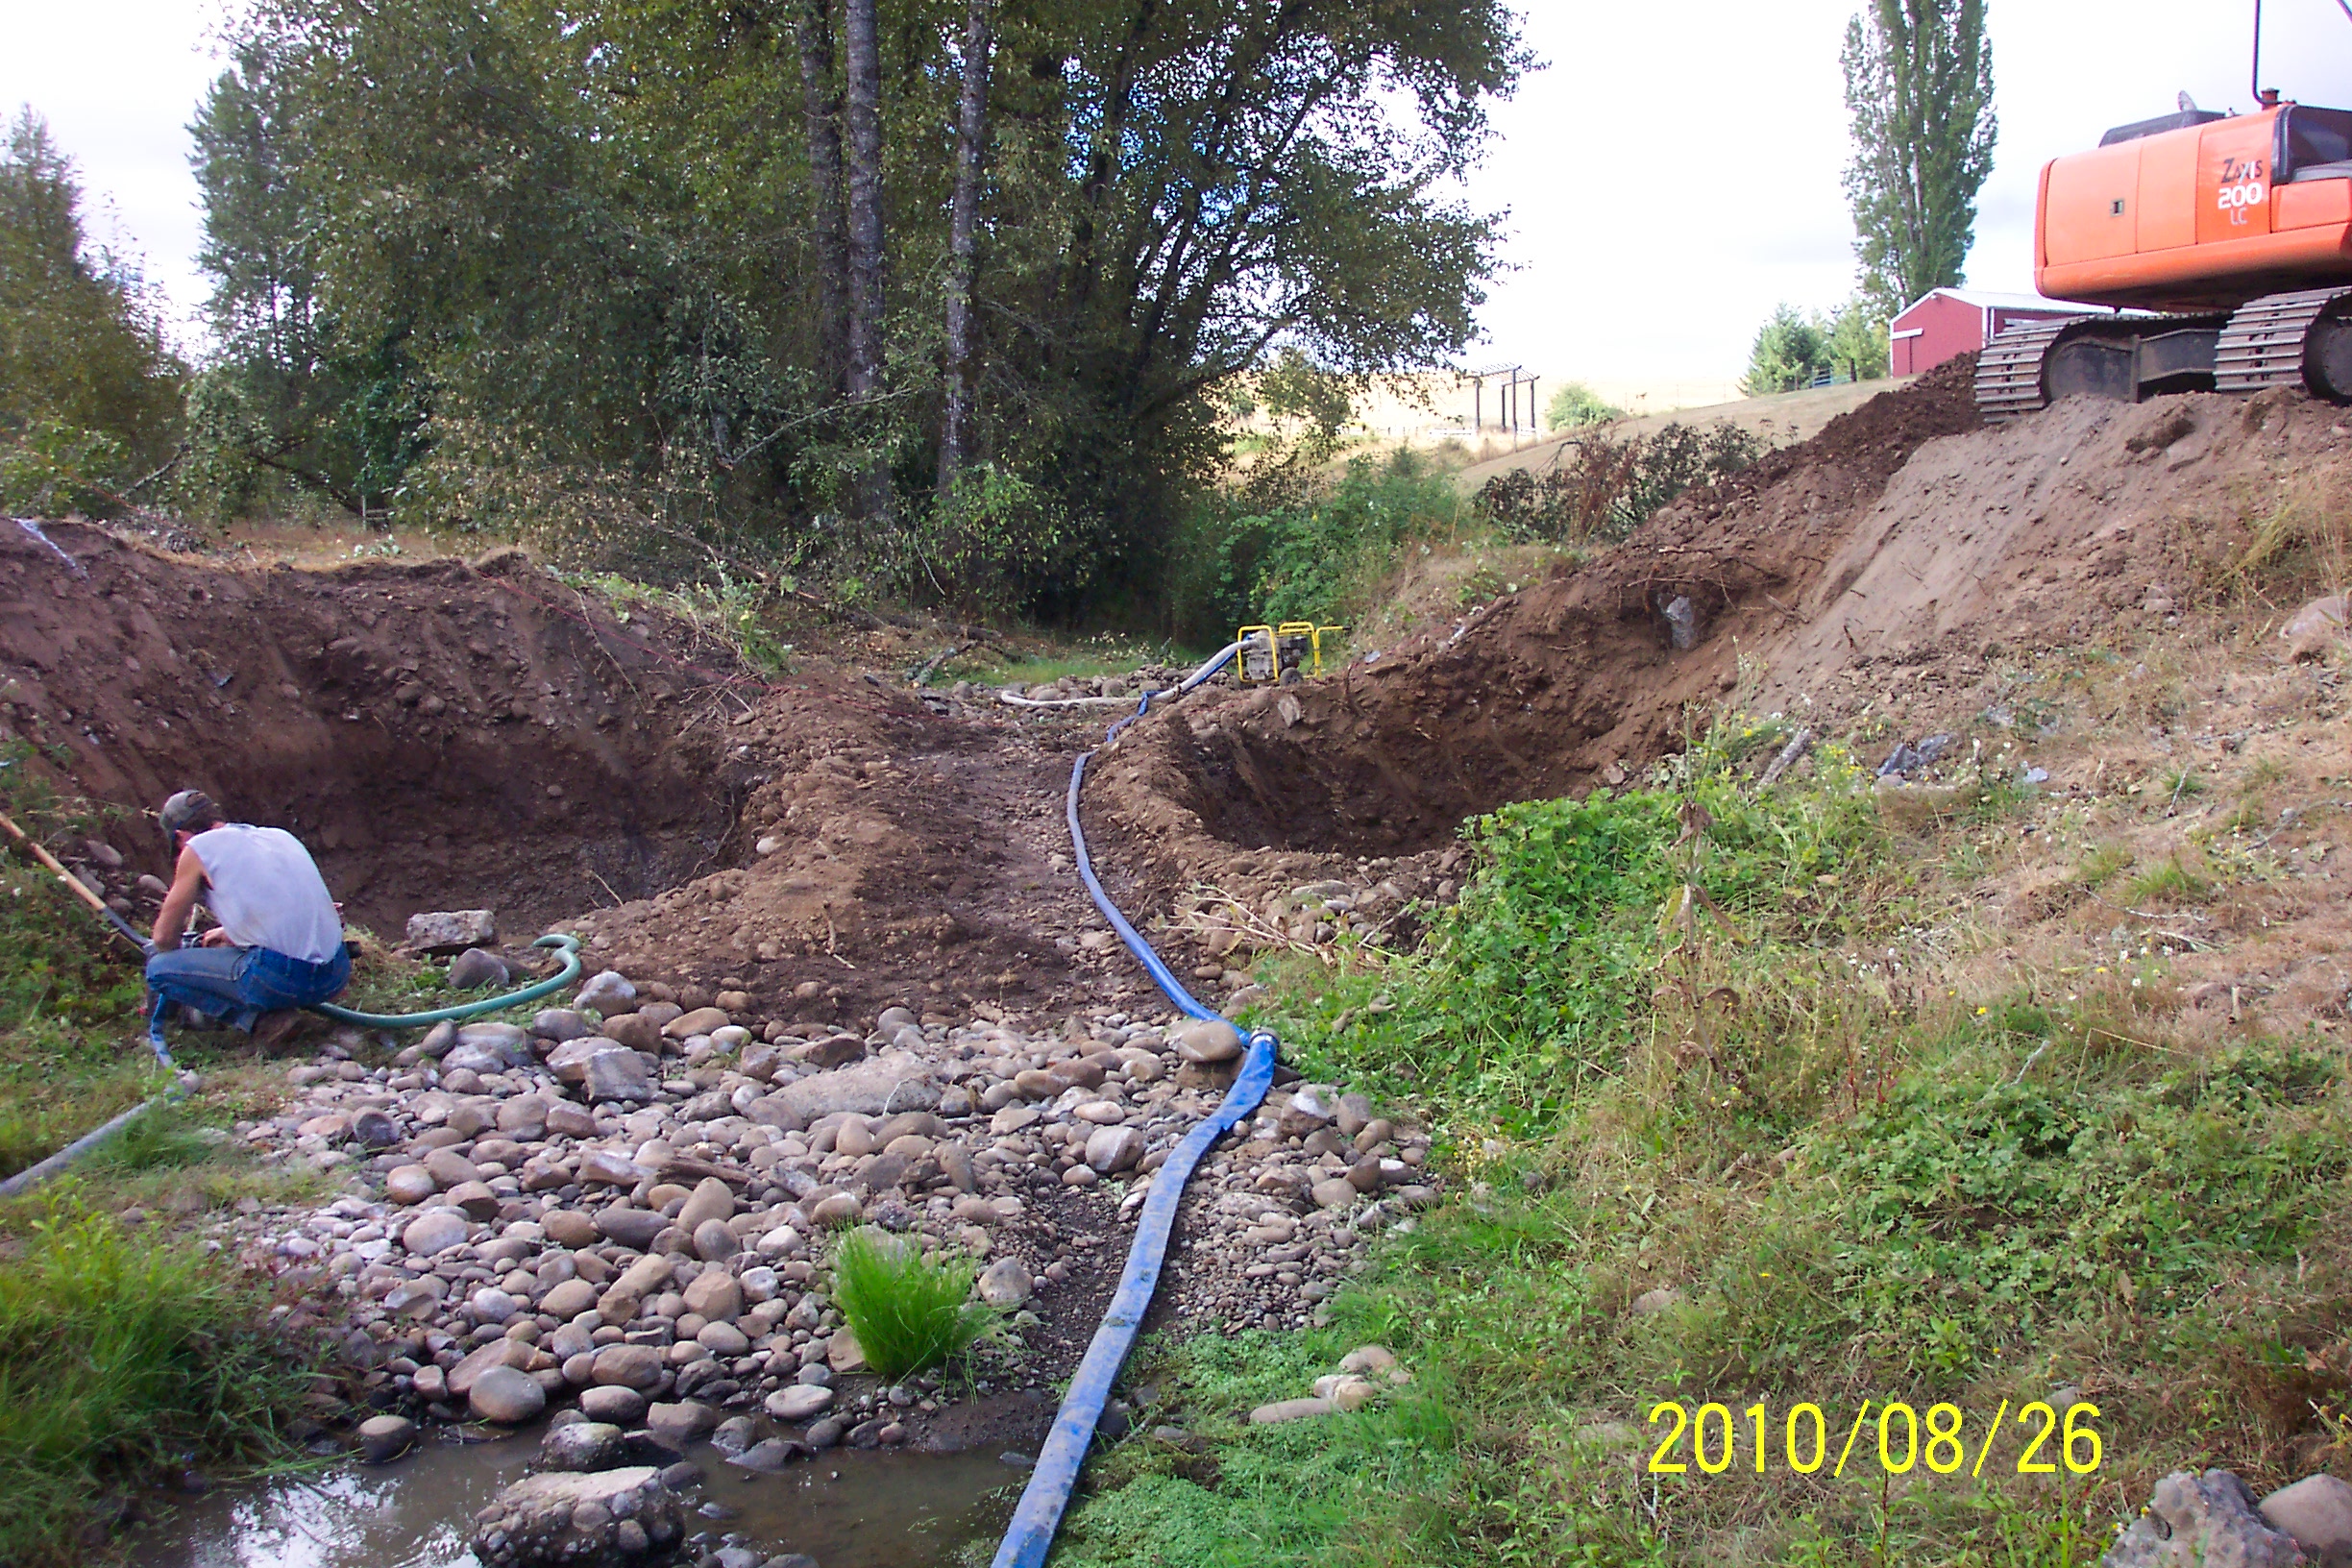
x=1885, y=568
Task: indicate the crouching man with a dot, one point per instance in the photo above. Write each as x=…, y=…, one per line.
x=280, y=943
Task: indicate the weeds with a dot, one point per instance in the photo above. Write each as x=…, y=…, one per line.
x=117, y=1357
x=908, y=1313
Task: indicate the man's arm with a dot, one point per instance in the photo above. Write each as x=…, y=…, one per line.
x=187, y=885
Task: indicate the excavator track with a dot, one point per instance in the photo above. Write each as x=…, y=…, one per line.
x=2291, y=339
x=2009, y=370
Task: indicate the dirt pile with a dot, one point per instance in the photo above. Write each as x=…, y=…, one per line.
x=1884, y=567
x=445, y=735
x=432, y=732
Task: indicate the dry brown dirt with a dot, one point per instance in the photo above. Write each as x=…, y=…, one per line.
x=463, y=735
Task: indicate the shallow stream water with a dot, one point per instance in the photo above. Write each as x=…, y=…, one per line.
x=846, y=1508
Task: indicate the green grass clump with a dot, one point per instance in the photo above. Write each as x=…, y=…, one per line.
x=908, y=1312
x=120, y=1355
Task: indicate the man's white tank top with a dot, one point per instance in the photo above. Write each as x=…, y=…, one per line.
x=267, y=891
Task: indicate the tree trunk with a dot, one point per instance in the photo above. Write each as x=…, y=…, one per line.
x=863, y=55
x=963, y=224
x=820, y=108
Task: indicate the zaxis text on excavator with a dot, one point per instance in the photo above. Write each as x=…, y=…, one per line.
x=2223, y=240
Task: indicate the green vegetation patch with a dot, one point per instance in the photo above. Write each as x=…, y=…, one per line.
x=121, y=1355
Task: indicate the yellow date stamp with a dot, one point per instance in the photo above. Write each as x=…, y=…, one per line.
x=1899, y=1436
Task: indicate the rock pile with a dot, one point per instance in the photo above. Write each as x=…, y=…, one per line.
x=565, y=1517
x=624, y=1203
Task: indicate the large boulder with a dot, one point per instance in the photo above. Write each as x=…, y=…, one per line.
x=452, y=930
x=880, y=1086
x=567, y=1517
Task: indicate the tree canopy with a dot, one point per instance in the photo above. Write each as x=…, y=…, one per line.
x=1919, y=89
x=577, y=268
x=90, y=390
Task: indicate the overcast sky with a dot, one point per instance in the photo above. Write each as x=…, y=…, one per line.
x=1671, y=174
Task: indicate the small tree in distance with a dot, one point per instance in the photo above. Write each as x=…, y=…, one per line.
x=1789, y=352
x=1575, y=404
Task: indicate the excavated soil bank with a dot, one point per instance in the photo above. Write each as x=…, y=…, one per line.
x=436, y=735
x=1888, y=565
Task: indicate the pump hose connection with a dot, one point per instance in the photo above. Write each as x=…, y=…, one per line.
x=1047, y=1495
x=558, y=942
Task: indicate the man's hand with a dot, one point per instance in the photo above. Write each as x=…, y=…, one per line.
x=217, y=936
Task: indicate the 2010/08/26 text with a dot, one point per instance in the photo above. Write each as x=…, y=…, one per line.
x=1904, y=1438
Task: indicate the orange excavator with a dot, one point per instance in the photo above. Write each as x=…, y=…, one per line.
x=2223, y=240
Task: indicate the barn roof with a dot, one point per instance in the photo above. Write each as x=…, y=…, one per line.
x=1985, y=299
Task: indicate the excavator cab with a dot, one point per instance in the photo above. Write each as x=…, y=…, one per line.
x=2222, y=241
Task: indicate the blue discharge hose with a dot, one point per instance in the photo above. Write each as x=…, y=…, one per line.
x=1047, y=1495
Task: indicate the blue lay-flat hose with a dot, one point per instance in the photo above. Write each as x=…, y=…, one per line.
x=1047, y=1495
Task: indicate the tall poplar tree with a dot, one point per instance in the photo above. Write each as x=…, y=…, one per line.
x=1918, y=86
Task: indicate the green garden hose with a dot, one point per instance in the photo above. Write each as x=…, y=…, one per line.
x=568, y=946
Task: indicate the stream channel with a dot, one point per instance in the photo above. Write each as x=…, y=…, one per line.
x=846, y=1508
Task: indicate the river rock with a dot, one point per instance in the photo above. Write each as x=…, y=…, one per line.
x=614, y=1403
x=1006, y=1284
x=682, y=1422
x=629, y=1366
x=373, y=1128
x=769, y=1455
x=474, y=968
x=832, y=1051
x=565, y=1517
x=619, y=1074
x=449, y=1167
x=700, y=1020
x=2318, y=1513
x=714, y=1243
x=383, y=1437
x=724, y=1340
x=581, y=1445
x=1289, y=1410
x=715, y=1296
x=409, y=1184
x=712, y=1199
x=569, y=1299
x=799, y=1402
x=1111, y=1150
x=507, y=1397
x=451, y=930
x=609, y=1167
x=632, y=1227
x=570, y=1228
x=608, y=992
x=436, y=1231
x=564, y=1120
x=1206, y=1040
x=837, y=1209
x=560, y=1024
x=509, y=1353
x=844, y=1353
x=2194, y=1520
x=510, y=1042
x=880, y=1086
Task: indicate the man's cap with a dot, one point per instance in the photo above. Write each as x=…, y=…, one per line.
x=187, y=811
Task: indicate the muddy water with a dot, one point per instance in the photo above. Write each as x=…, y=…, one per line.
x=847, y=1509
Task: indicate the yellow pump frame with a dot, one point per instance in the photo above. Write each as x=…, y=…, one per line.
x=1275, y=633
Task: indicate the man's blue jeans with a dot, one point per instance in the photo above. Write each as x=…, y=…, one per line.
x=238, y=984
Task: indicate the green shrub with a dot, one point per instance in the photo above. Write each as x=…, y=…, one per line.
x=907, y=1312
x=120, y=1356
x=1240, y=557
x=1576, y=403
x=1605, y=487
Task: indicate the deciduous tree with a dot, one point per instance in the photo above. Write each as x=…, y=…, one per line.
x=1919, y=88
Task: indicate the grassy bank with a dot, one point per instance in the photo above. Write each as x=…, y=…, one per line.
x=128, y=1350
x=1744, y=1103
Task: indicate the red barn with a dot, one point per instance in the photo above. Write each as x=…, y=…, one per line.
x=1945, y=322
